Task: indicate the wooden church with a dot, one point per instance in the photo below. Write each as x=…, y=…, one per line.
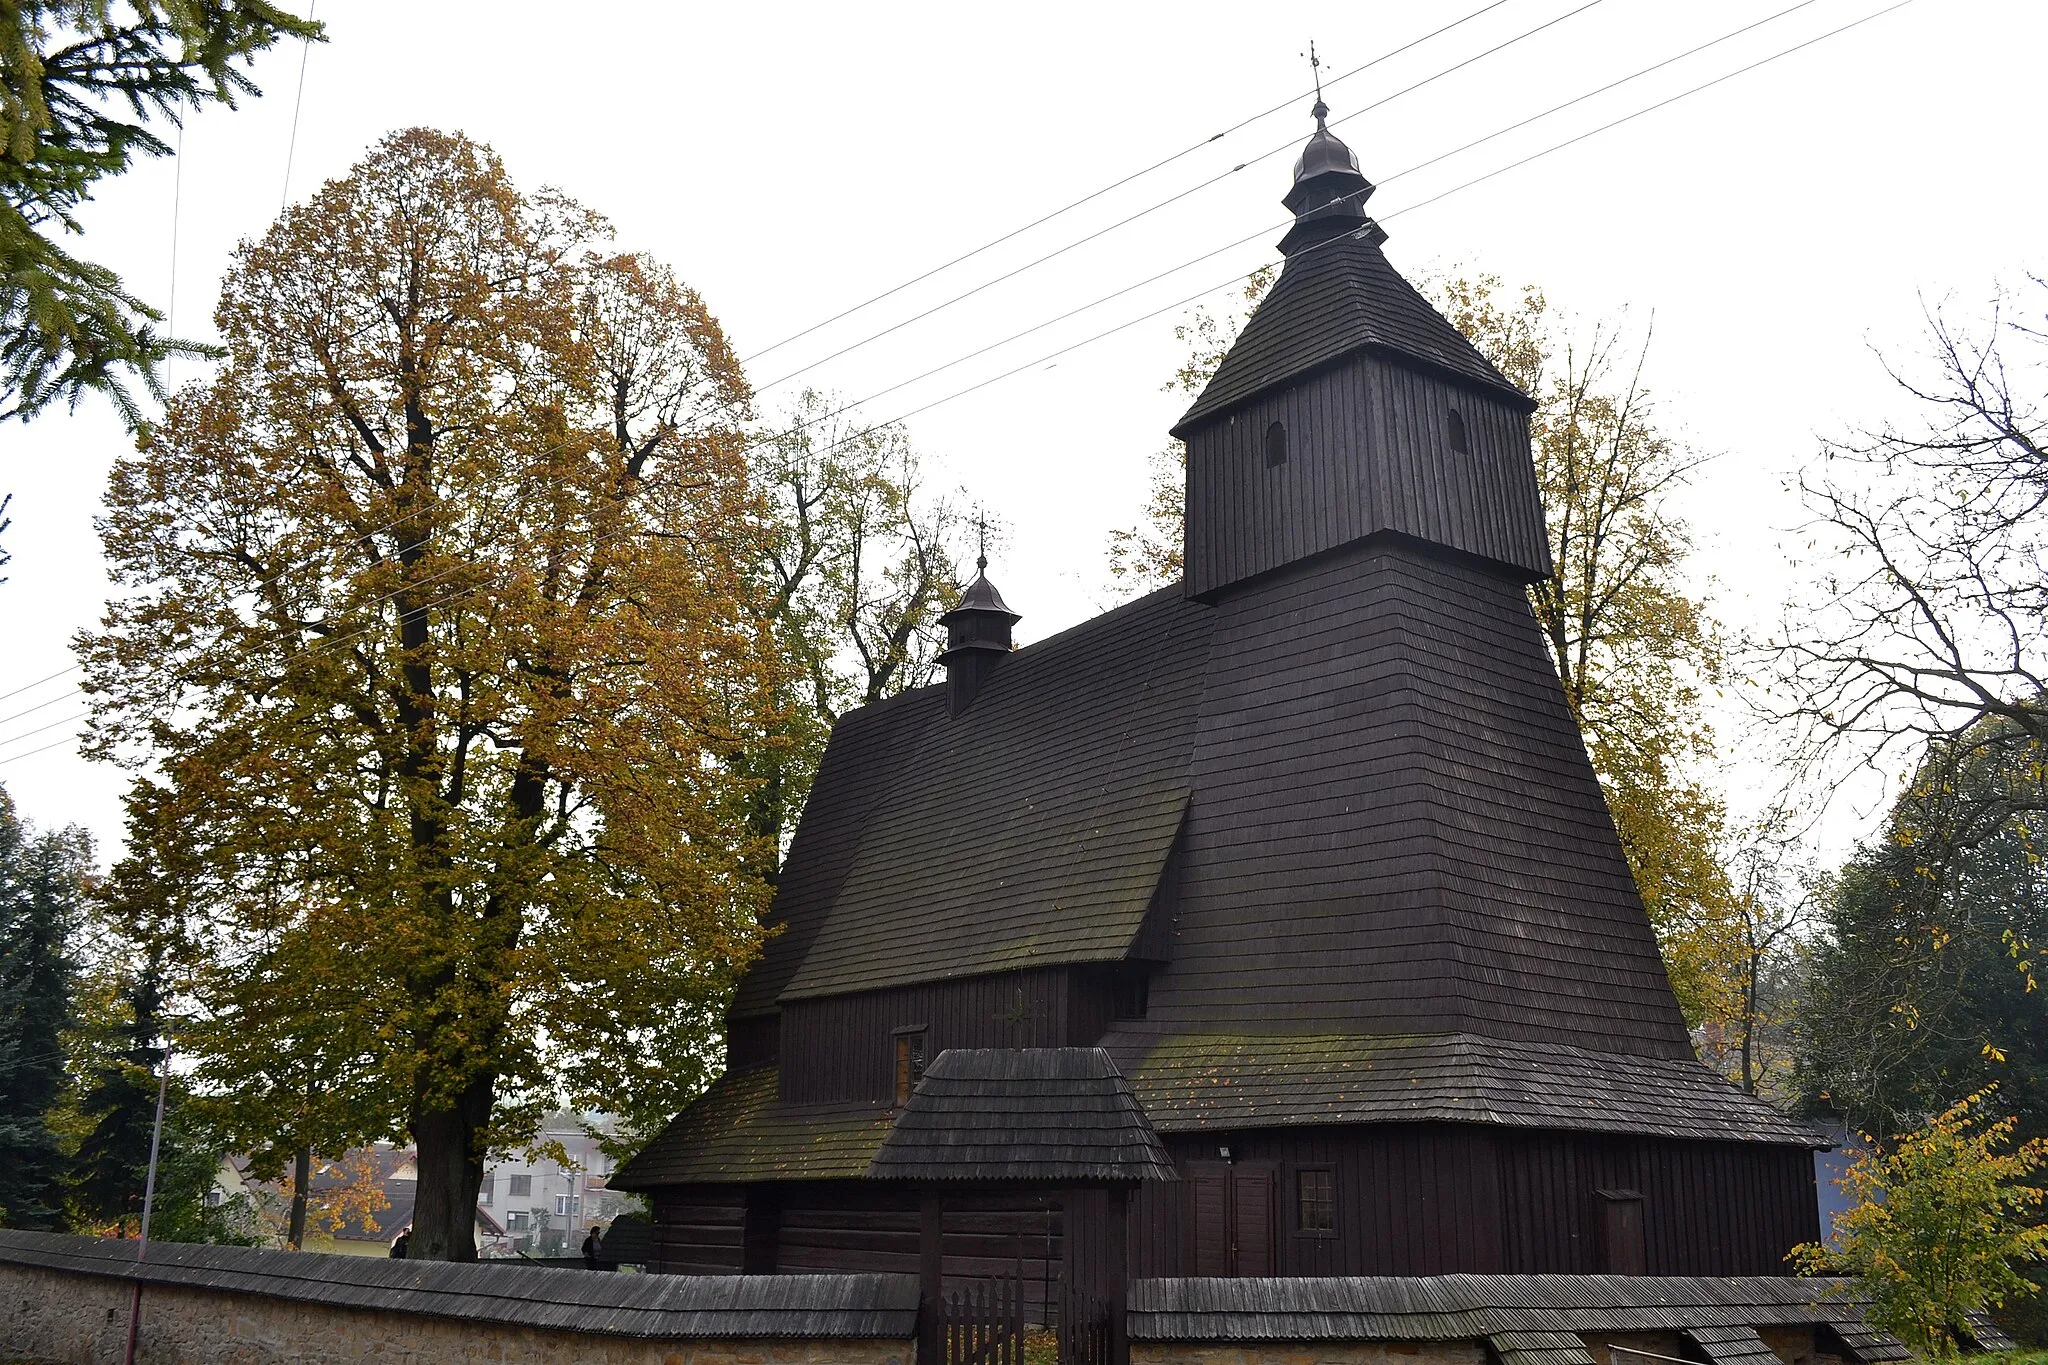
x=1308, y=843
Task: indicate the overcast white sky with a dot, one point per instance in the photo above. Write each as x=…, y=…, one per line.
x=792, y=160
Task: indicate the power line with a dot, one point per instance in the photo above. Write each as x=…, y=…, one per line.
x=1062, y=351
x=1150, y=209
x=291, y=147
x=1611, y=85
x=1651, y=109
x=1114, y=185
x=47, y=677
x=729, y=407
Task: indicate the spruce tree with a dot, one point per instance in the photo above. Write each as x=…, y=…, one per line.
x=120, y=1103
x=41, y=884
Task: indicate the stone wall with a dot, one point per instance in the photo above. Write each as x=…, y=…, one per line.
x=55, y=1316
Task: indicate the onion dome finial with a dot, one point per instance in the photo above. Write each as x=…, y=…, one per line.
x=1329, y=191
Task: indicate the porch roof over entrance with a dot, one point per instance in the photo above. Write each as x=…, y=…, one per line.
x=1052, y=1116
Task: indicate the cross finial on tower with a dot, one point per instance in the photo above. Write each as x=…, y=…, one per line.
x=981, y=527
x=1315, y=69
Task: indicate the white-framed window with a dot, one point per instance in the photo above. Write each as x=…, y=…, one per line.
x=566, y=1205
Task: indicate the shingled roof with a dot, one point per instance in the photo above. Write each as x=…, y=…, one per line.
x=1538, y=1319
x=1333, y=299
x=661, y=1307
x=1032, y=829
x=1050, y=1115
x=1196, y=1080
x=739, y=1131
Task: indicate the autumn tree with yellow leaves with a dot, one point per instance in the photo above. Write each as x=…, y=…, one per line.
x=1943, y=1224
x=435, y=649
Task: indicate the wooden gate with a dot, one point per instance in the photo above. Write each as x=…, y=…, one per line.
x=983, y=1323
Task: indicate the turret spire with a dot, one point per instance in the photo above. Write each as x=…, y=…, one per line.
x=1329, y=192
x=977, y=630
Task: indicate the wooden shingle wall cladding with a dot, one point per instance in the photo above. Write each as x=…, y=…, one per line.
x=1369, y=450
x=871, y=749
x=1433, y=1199
x=841, y=1047
x=1395, y=827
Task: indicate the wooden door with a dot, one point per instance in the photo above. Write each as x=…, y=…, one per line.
x=1231, y=1218
x=1623, y=1247
x=1252, y=1218
x=1208, y=1186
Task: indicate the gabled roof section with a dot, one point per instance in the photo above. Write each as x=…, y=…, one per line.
x=737, y=1131
x=1031, y=829
x=1332, y=299
x=871, y=750
x=1053, y=1115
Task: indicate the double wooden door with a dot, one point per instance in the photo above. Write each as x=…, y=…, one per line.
x=1232, y=1221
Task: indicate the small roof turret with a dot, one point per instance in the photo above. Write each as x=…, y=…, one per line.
x=977, y=635
x=1329, y=192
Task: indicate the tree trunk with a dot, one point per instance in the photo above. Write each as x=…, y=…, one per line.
x=302, y=1175
x=451, y=1171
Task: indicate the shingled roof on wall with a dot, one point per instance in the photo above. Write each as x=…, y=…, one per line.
x=1058, y=1115
x=1331, y=300
x=1200, y=1080
x=1032, y=829
x=739, y=1131
x=660, y=1307
x=1537, y=1317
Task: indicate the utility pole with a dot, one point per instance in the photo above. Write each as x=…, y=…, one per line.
x=156, y=1137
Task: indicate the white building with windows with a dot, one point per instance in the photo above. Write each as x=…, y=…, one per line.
x=546, y=1206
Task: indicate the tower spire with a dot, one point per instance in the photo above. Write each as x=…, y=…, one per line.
x=1329, y=192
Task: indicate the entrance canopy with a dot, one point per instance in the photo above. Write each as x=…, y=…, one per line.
x=1046, y=1116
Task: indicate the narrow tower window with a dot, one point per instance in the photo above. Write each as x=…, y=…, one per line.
x=1459, y=442
x=1276, y=444
x=909, y=1062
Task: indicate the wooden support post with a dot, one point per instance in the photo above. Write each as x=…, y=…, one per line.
x=931, y=1249
x=1116, y=1253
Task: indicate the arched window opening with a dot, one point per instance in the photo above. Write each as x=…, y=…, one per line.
x=1459, y=441
x=1276, y=444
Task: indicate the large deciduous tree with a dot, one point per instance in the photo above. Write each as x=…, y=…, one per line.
x=860, y=561
x=1632, y=646
x=1929, y=611
x=80, y=81
x=438, y=631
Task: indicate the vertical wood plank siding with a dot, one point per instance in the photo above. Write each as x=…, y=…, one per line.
x=1437, y=1199
x=844, y=1227
x=1368, y=451
x=839, y=1048
x=1412, y=1199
